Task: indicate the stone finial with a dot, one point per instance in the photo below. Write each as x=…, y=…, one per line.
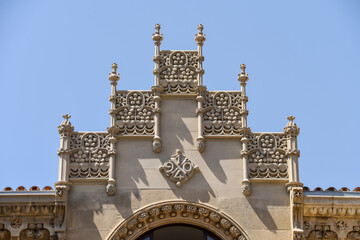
x=114, y=76
x=291, y=127
x=200, y=28
x=200, y=37
x=243, y=77
x=157, y=36
x=66, y=121
x=65, y=126
x=157, y=28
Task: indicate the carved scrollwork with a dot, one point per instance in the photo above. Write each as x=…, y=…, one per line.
x=322, y=232
x=89, y=155
x=35, y=231
x=4, y=233
x=355, y=234
x=181, y=212
x=179, y=168
x=135, y=113
x=267, y=156
x=178, y=71
x=222, y=113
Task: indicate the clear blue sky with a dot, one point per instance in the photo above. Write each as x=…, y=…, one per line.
x=303, y=58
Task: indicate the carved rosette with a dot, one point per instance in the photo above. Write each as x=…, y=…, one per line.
x=178, y=71
x=135, y=113
x=179, y=168
x=178, y=212
x=267, y=156
x=222, y=113
x=89, y=155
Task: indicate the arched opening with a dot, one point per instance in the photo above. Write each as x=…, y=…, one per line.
x=178, y=232
x=213, y=223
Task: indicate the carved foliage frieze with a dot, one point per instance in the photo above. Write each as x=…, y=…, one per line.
x=222, y=113
x=135, y=112
x=355, y=234
x=267, y=155
x=181, y=212
x=179, y=168
x=89, y=156
x=178, y=71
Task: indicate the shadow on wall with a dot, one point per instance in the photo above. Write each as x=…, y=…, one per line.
x=82, y=210
x=277, y=197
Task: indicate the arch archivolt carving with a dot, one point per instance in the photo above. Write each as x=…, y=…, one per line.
x=173, y=212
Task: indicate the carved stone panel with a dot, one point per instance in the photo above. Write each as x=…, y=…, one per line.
x=222, y=113
x=267, y=156
x=89, y=155
x=178, y=72
x=135, y=113
x=179, y=168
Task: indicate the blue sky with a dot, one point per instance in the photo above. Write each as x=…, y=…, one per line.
x=302, y=56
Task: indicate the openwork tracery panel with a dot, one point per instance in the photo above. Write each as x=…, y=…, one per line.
x=178, y=71
x=267, y=155
x=222, y=113
x=135, y=112
x=89, y=156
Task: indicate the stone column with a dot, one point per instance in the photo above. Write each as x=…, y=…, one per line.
x=63, y=185
x=111, y=184
x=292, y=131
x=200, y=38
x=65, y=130
x=157, y=89
x=243, y=78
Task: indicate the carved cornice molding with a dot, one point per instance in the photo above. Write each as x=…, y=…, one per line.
x=349, y=211
x=26, y=209
x=178, y=212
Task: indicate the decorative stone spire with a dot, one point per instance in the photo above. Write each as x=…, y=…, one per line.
x=200, y=37
x=157, y=36
x=65, y=127
x=291, y=127
x=114, y=76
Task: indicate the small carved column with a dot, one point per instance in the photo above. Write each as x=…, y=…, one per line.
x=114, y=78
x=62, y=187
x=297, y=210
x=243, y=78
x=157, y=89
x=200, y=89
x=200, y=141
x=292, y=131
x=157, y=139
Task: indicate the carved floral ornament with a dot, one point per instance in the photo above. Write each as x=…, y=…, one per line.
x=179, y=168
x=173, y=212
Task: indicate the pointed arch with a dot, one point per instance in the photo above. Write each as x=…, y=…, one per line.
x=174, y=212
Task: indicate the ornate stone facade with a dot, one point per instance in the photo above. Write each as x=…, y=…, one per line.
x=178, y=154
